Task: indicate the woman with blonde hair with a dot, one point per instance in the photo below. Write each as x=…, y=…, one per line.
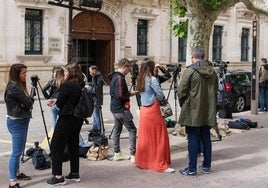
x=153, y=150
x=54, y=87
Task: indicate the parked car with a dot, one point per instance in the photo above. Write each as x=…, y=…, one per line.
x=235, y=88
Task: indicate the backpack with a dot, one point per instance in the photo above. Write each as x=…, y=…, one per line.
x=85, y=105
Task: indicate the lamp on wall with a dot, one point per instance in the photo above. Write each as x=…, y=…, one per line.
x=83, y=5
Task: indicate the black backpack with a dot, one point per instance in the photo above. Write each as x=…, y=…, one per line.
x=85, y=106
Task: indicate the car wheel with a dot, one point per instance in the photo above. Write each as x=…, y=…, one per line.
x=239, y=104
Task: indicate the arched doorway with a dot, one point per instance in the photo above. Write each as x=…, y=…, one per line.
x=93, y=41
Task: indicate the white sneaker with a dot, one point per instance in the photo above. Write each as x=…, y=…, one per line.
x=120, y=157
x=169, y=170
x=132, y=159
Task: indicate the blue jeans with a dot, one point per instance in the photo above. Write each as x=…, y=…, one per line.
x=263, y=98
x=54, y=112
x=194, y=136
x=125, y=119
x=96, y=119
x=18, y=129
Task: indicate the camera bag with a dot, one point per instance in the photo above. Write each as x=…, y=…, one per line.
x=39, y=159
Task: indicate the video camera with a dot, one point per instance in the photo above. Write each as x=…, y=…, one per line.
x=175, y=69
x=222, y=66
x=135, y=69
x=34, y=79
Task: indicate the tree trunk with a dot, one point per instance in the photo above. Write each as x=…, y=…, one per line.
x=199, y=31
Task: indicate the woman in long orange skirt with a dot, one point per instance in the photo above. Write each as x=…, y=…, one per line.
x=153, y=150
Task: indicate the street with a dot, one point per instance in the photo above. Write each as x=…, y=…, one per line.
x=239, y=160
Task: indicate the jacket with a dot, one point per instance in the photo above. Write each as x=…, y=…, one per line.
x=118, y=91
x=18, y=104
x=152, y=92
x=197, y=94
x=68, y=98
x=96, y=83
x=263, y=73
x=53, y=90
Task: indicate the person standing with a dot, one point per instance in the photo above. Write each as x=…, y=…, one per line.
x=197, y=97
x=53, y=86
x=263, y=85
x=153, y=151
x=68, y=127
x=120, y=107
x=19, y=111
x=96, y=82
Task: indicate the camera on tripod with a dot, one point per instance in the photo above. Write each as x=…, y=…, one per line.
x=175, y=69
x=222, y=66
x=34, y=79
x=135, y=69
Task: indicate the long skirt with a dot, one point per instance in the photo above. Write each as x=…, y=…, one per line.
x=153, y=150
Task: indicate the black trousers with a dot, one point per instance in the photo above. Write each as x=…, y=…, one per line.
x=67, y=131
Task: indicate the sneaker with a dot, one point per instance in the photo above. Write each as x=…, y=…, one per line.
x=169, y=170
x=120, y=157
x=187, y=172
x=56, y=181
x=74, y=177
x=22, y=176
x=132, y=159
x=17, y=185
x=205, y=170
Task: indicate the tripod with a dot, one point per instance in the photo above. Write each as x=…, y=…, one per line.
x=34, y=91
x=174, y=83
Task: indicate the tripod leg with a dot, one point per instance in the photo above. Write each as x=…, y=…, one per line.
x=111, y=133
x=101, y=120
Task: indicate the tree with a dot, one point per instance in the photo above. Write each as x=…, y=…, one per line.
x=201, y=15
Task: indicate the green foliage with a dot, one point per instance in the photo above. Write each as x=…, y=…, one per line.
x=180, y=29
x=214, y=4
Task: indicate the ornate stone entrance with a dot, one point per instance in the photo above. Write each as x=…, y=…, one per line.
x=93, y=41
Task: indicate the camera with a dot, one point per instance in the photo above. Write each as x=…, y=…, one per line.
x=135, y=69
x=222, y=66
x=175, y=69
x=34, y=79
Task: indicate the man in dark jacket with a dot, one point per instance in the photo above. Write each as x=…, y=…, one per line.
x=120, y=107
x=96, y=83
x=197, y=97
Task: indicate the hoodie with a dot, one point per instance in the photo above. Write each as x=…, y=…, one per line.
x=118, y=91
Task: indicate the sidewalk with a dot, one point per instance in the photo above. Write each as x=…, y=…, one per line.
x=239, y=160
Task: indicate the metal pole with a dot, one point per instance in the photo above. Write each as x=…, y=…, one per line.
x=70, y=39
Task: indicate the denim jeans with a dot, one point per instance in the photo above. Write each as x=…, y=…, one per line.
x=125, y=119
x=18, y=129
x=263, y=98
x=96, y=119
x=54, y=112
x=194, y=136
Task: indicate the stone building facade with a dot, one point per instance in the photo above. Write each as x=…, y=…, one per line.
x=35, y=33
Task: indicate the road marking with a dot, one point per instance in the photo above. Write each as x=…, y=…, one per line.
x=10, y=142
